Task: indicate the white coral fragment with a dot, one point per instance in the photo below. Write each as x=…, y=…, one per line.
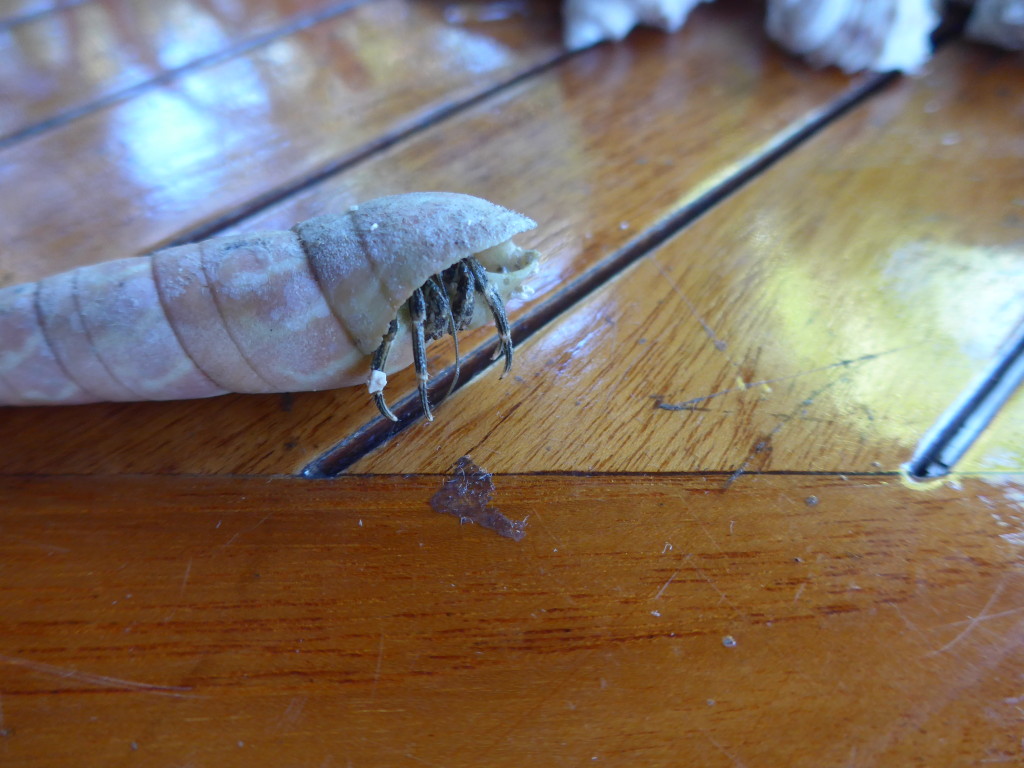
x=880, y=35
x=854, y=35
x=378, y=380
x=591, y=21
x=999, y=22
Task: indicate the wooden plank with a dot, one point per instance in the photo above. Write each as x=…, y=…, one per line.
x=246, y=128
x=822, y=319
x=59, y=64
x=283, y=622
x=665, y=117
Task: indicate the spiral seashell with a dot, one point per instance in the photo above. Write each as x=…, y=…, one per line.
x=315, y=307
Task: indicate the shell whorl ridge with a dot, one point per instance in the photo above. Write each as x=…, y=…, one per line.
x=257, y=312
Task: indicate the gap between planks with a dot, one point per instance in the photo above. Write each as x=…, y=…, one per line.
x=963, y=422
x=582, y=474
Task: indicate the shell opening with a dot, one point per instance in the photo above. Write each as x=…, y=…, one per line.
x=465, y=295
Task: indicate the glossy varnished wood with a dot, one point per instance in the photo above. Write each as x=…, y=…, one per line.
x=118, y=183
x=551, y=147
x=800, y=621
x=821, y=319
x=829, y=615
x=59, y=63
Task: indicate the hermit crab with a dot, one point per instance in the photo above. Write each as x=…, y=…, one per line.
x=338, y=300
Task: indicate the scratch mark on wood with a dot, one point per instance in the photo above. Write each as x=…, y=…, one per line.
x=765, y=443
x=719, y=344
x=292, y=711
x=49, y=548
x=411, y=756
x=101, y=680
x=690, y=405
x=467, y=492
x=232, y=540
x=665, y=586
x=735, y=760
x=510, y=731
x=184, y=579
x=723, y=597
x=380, y=663
x=987, y=617
x=973, y=622
x=381, y=746
x=899, y=612
x=706, y=532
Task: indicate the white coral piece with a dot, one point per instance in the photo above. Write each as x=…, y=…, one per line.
x=591, y=21
x=882, y=35
x=1000, y=22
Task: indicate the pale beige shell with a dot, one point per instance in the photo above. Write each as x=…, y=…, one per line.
x=262, y=312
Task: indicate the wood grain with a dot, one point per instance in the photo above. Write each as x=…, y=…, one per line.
x=60, y=63
x=549, y=147
x=277, y=621
x=821, y=319
x=828, y=615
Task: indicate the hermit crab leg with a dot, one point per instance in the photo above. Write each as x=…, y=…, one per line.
x=432, y=309
x=442, y=296
x=418, y=315
x=380, y=358
x=484, y=287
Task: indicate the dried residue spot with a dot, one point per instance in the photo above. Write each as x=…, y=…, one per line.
x=467, y=492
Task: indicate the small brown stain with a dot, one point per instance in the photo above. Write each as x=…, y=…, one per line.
x=467, y=492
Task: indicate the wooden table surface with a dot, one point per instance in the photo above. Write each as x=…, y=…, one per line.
x=762, y=285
